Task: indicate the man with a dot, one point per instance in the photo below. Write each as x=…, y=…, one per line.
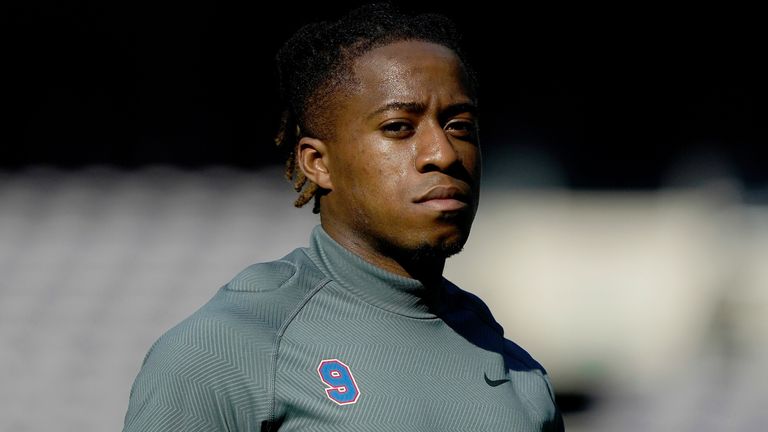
x=359, y=331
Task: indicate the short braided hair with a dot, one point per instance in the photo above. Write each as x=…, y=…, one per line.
x=316, y=62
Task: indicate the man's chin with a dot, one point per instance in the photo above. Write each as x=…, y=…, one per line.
x=439, y=251
x=428, y=247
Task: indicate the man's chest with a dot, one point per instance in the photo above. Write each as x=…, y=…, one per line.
x=414, y=375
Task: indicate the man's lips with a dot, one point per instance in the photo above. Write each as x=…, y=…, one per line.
x=444, y=198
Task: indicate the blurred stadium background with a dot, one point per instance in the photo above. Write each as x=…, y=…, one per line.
x=622, y=236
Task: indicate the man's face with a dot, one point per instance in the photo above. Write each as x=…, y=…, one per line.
x=404, y=160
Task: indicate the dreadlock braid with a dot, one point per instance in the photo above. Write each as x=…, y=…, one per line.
x=317, y=61
x=288, y=132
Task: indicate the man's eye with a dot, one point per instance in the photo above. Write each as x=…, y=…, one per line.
x=397, y=129
x=461, y=128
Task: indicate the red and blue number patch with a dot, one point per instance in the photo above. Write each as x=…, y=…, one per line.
x=342, y=387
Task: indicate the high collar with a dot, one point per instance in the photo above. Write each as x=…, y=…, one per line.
x=374, y=285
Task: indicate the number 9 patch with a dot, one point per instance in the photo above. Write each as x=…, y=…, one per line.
x=342, y=387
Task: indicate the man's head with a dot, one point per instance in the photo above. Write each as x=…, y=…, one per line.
x=381, y=117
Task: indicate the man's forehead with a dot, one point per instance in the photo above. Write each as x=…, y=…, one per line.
x=410, y=72
x=400, y=60
x=408, y=49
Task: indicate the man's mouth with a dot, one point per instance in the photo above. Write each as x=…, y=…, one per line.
x=444, y=198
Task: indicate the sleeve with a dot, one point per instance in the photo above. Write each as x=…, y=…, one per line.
x=198, y=377
x=556, y=423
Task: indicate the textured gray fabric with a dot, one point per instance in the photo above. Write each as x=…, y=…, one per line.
x=322, y=340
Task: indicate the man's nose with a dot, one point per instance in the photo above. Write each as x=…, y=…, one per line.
x=435, y=150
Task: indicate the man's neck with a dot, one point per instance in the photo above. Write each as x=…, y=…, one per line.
x=411, y=264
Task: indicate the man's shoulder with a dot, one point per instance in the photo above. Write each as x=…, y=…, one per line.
x=513, y=352
x=460, y=298
x=257, y=302
x=281, y=277
x=245, y=315
x=217, y=363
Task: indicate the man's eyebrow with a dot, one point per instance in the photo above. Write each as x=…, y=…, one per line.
x=466, y=107
x=417, y=108
x=410, y=107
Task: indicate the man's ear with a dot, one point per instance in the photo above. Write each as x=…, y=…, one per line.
x=312, y=157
